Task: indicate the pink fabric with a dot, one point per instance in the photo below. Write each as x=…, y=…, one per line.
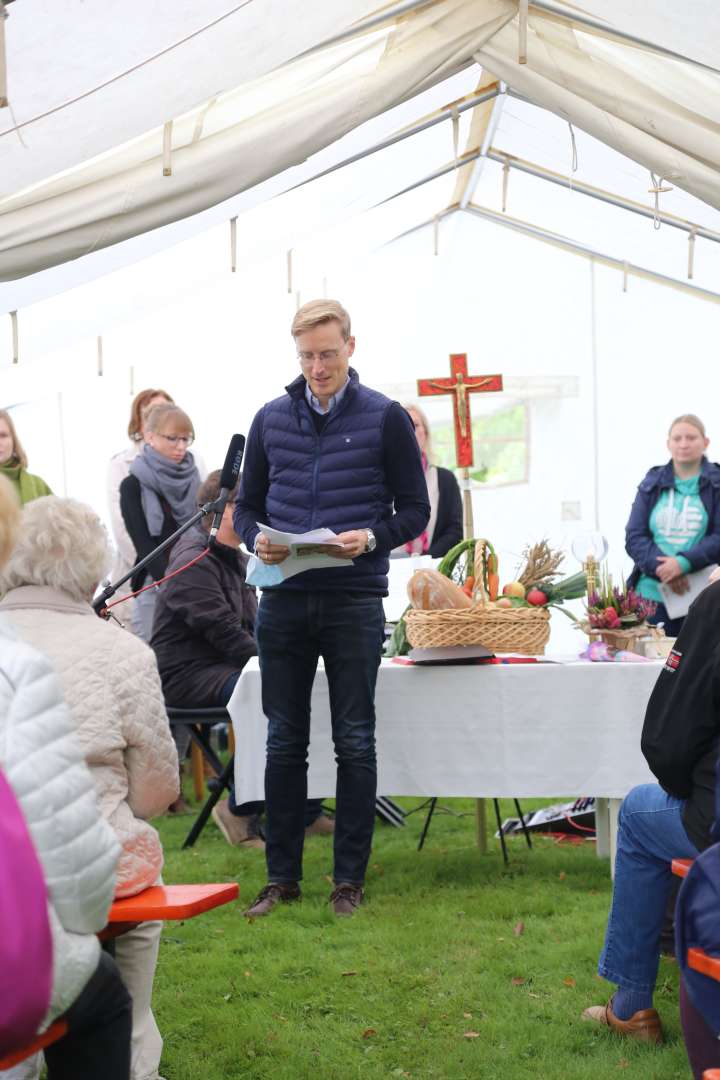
x=421, y=544
x=25, y=942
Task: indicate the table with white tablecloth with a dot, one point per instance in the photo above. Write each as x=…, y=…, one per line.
x=501, y=730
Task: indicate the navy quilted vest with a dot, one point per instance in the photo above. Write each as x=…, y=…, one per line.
x=334, y=479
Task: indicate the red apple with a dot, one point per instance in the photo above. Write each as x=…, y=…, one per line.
x=536, y=597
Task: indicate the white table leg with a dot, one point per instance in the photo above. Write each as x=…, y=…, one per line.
x=602, y=829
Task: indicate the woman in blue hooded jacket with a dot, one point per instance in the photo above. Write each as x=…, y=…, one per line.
x=674, y=525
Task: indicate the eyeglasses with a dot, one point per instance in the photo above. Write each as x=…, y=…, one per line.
x=187, y=440
x=325, y=357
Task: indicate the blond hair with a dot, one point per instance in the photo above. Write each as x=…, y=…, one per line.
x=159, y=414
x=9, y=519
x=411, y=407
x=689, y=418
x=18, y=453
x=317, y=312
x=63, y=545
x=138, y=408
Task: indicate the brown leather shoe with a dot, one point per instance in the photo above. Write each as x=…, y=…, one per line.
x=346, y=898
x=643, y=1025
x=270, y=896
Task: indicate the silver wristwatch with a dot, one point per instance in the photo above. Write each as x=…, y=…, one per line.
x=371, y=541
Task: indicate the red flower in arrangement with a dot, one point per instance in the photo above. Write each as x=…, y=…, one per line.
x=613, y=608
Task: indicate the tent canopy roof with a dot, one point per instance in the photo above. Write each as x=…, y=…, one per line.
x=263, y=97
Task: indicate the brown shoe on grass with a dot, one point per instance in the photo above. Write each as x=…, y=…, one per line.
x=644, y=1025
x=346, y=898
x=180, y=806
x=321, y=826
x=240, y=831
x=270, y=896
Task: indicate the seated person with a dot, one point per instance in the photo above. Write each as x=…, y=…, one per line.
x=660, y=822
x=110, y=682
x=203, y=635
x=698, y=927
x=43, y=765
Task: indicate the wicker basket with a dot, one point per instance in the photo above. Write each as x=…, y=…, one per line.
x=512, y=630
x=620, y=639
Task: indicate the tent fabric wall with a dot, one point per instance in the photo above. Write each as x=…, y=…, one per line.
x=658, y=110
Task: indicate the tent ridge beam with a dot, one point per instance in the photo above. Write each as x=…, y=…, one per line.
x=531, y=169
x=576, y=248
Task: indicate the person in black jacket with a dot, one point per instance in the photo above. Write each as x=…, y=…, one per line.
x=661, y=822
x=445, y=527
x=157, y=497
x=203, y=636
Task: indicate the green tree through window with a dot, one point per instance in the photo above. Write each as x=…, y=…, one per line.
x=500, y=443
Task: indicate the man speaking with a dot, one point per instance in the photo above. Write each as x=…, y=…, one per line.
x=329, y=453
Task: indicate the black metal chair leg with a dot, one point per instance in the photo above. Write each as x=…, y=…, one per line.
x=523, y=826
x=200, y=736
x=223, y=784
x=496, y=804
x=426, y=826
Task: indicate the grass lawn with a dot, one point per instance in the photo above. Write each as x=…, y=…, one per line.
x=455, y=967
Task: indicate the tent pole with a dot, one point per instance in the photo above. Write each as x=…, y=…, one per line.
x=609, y=197
x=539, y=171
x=490, y=128
x=445, y=113
x=595, y=403
x=575, y=18
x=3, y=58
x=565, y=244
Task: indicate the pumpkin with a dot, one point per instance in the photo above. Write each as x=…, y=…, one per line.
x=432, y=591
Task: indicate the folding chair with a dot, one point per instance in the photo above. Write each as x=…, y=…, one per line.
x=199, y=723
x=496, y=804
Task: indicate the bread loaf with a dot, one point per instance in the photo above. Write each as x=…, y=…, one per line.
x=432, y=591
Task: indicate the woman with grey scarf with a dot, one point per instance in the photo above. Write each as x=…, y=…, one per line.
x=158, y=496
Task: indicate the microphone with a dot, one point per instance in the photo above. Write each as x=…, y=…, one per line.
x=228, y=480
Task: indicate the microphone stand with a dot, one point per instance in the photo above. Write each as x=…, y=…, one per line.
x=100, y=601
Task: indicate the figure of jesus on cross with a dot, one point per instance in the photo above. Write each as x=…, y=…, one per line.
x=461, y=385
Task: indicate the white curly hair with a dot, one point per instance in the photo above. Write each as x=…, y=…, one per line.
x=63, y=545
x=9, y=519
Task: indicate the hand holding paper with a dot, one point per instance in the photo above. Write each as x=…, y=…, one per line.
x=282, y=555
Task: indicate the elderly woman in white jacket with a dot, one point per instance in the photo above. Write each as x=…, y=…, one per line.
x=77, y=850
x=111, y=684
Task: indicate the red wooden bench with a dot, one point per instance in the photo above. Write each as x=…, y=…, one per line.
x=159, y=902
x=53, y=1033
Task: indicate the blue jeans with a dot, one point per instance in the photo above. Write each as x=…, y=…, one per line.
x=294, y=629
x=650, y=835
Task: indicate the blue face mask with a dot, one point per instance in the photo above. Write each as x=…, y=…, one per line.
x=261, y=575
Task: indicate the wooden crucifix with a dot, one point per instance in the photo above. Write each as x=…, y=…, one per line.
x=461, y=385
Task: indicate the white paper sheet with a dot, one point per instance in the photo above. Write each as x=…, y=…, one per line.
x=679, y=605
x=263, y=576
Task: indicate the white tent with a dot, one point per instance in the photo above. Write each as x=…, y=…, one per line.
x=463, y=200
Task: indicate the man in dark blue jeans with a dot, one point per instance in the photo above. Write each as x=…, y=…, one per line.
x=330, y=453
